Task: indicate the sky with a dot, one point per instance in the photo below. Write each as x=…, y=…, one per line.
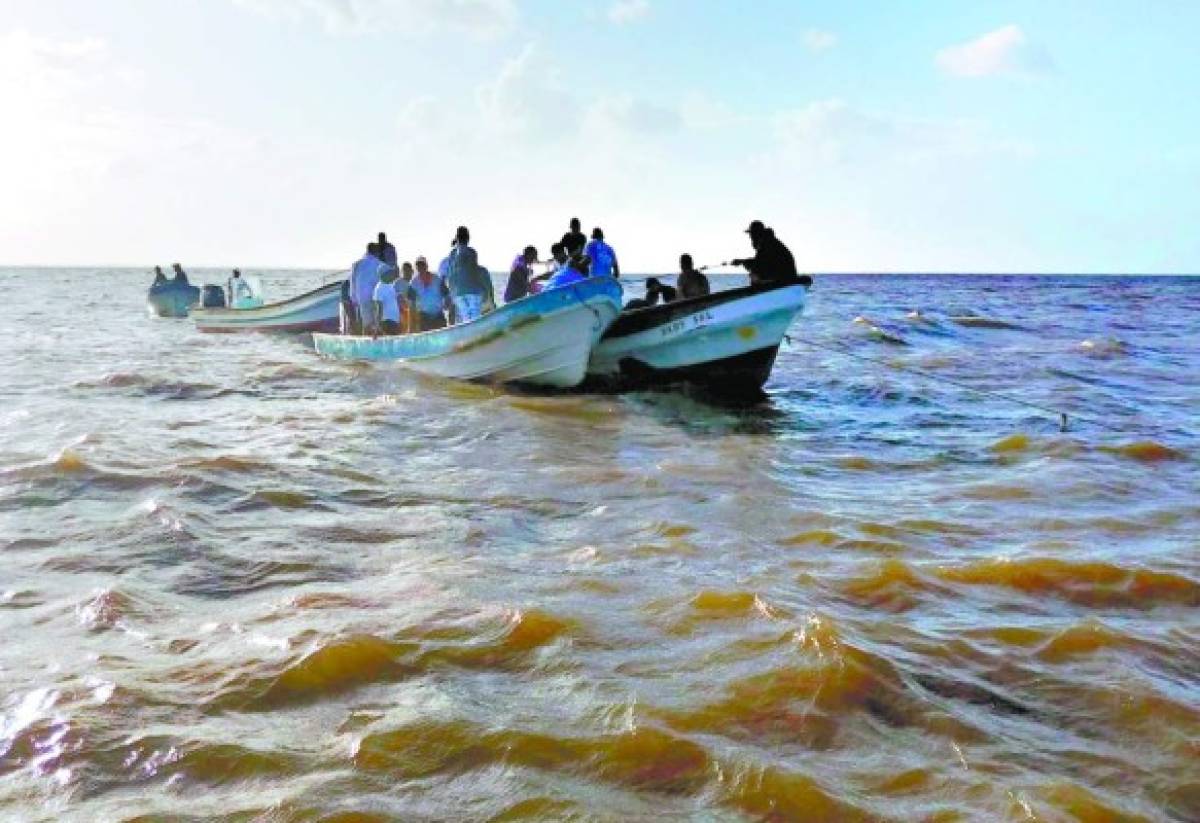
x=873, y=136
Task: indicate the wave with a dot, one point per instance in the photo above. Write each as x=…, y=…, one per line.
x=1145, y=451
x=162, y=388
x=973, y=321
x=1095, y=583
x=897, y=585
x=1104, y=348
x=876, y=332
x=347, y=663
x=646, y=758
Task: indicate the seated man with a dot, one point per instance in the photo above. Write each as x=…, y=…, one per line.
x=159, y=277
x=654, y=291
x=691, y=282
x=386, y=303
x=575, y=271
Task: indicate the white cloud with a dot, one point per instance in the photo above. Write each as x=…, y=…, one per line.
x=627, y=11
x=1005, y=51
x=481, y=18
x=528, y=99
x=630, y=116
x=832, y=133
x=816, y=40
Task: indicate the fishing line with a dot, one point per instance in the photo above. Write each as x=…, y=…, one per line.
x=1059, y=413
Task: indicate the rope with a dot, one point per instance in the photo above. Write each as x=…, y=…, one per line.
x=1059, y=413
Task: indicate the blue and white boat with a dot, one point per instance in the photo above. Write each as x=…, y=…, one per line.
x=725, y=342
x=171, y=298
x=541, y=340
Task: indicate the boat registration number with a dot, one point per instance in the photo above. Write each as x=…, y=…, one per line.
x=694, y=321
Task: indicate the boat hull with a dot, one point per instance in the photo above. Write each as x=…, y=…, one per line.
x=171, y=299
x=725, y=343
x=314, y=311
x=543, y=340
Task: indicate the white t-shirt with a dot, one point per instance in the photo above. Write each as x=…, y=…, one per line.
x=385, y=295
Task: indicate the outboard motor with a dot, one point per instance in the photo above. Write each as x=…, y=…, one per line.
x=214, y=297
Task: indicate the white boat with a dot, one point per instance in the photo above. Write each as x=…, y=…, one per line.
x=725, y=342
x=316, y=310
x=543, y=340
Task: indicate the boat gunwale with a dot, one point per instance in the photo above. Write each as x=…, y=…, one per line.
x=635, y=321
x=524, y=303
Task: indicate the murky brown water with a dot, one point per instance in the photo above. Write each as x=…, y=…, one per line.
x=238, y=582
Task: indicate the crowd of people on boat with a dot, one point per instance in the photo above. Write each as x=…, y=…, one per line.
x=385, y=297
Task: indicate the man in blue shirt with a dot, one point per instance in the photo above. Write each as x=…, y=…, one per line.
x=575, y=271
x=604, y=259
x=364, y=277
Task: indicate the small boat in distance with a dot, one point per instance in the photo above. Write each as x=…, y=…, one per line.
x=541, y=340
x=171, y=298
x=725, y=342
x=312, y=311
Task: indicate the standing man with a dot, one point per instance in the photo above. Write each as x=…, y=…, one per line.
x=465, y=280
x=387, y=252
x=574, y=240
x=604, y=259
x=180, y=274
x=772, y=262
x=386, y=304
x=159, y=277
x=239, y=289
x=518, y=275
x=364, y=276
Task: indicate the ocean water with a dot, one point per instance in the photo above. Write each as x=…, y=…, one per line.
x=239, y=582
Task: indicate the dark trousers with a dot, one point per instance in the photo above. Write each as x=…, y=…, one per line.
x=429, y=322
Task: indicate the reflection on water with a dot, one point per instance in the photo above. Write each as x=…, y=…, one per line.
x=243, y=581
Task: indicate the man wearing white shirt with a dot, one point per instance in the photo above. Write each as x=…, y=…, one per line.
x=387, y=304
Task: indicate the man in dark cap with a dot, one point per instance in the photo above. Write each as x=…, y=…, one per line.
x=772, y=262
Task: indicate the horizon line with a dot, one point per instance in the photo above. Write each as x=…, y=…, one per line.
x=715, y=270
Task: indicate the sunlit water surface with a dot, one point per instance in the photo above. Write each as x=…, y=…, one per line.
x=237, y=581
